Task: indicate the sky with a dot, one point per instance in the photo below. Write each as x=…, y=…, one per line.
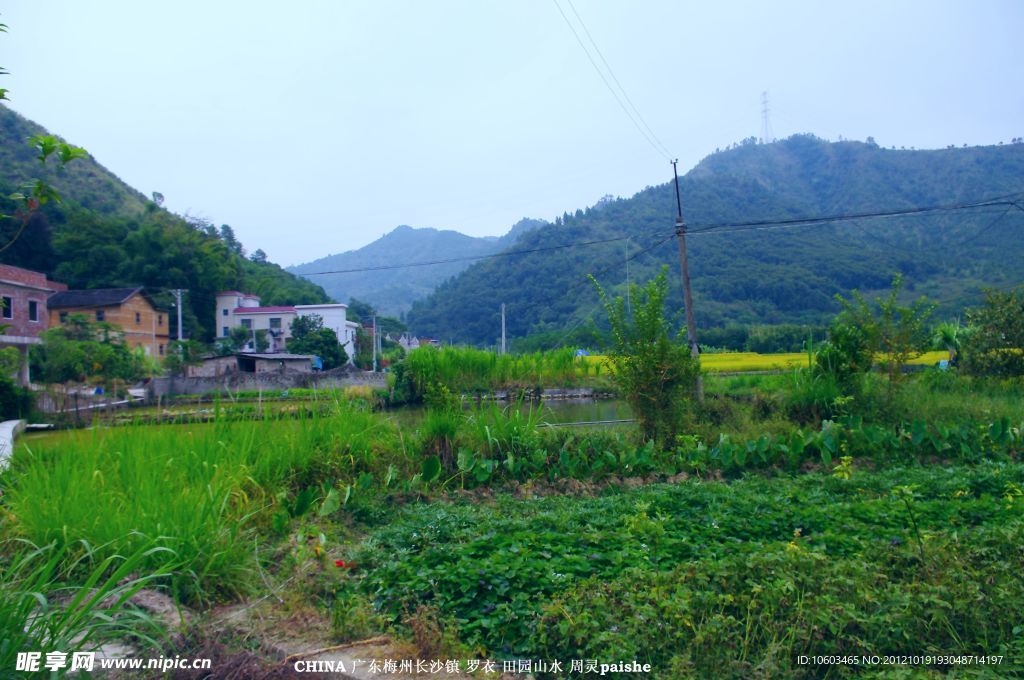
x=315, y=127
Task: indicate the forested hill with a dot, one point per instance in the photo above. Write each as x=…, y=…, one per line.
x=106, y=234
x=769, y=275
x=392, y=291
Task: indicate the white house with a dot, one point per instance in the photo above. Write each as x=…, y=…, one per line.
x=335, y=317
x=235, y=309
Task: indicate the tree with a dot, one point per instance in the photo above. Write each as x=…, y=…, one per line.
x=258, y=256
x=650, y=364
x=996, y=345
x=81, y=351
x=886, y=332
x=310, y=337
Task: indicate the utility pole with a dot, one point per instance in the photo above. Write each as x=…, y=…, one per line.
x=691, y=324
x=178, y=292
x=503, y=328
x=629, y=284
x=374, y=343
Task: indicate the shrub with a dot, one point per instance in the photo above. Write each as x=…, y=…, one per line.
x=650, y=364
x=996, y=346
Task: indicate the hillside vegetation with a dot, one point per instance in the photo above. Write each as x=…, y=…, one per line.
x=105, y=234
x=760, y=276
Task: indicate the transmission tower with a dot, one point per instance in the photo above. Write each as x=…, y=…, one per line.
x=767, y=136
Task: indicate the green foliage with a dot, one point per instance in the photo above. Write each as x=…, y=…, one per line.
x=183, y=353
x=996, y=345
x=310, y=337
x=201, y=491
x=15, y=402
x=51, y=599
x=722, y=568
x=463, y=369
x=650, y=365
x=82, y=351
x=860, y=335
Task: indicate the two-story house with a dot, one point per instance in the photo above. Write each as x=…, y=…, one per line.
x=243, y=310
x=24, y=295
x=129, y=309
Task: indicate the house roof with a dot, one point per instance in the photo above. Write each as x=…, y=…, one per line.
x=95, y=297
x=262, y=310
x=279, y=356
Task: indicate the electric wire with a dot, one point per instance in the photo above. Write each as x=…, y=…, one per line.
x=629, y=101
x=508, y=253
x=607, y=84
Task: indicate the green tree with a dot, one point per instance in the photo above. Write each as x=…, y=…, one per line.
x=996, y=344
x=650, y=364
x=886, y=332
x=310, y=337
x=81, y=351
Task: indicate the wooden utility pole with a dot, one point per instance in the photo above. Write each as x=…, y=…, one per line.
x=691, y=324
x=503, y=328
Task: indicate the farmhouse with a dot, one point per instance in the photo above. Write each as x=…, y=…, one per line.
x=129, y=309
x=24, y=296
x=243, y=310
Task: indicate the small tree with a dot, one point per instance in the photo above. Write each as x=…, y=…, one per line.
x=649, y=362
x=996, y=345
x=860, y=335
x=310, y=337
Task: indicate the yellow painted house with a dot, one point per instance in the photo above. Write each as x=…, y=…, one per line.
x=130, y=309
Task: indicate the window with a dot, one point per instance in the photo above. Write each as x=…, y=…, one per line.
x=8, y=307
x=138, y=318
x=275, y=323
x=246, y=323
x=63, y=317
x=224, y=312
x=160, y=320
x=161, y=350
x=33, y=310
x=101, y=315
x=224, y=332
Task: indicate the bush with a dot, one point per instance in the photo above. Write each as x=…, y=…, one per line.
x=650, y=364
x=996, y=345
x=15, y=402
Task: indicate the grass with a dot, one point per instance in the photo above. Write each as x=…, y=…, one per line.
x=198, y=490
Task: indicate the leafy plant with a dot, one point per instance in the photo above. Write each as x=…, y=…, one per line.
x=650, y=364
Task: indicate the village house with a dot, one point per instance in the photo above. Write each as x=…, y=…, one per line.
x=131, y=310
x=243, y=310
x=24, y=296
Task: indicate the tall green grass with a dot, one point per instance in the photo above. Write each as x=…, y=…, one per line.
x=468, y=370
x=199, y=490
x=51, y=600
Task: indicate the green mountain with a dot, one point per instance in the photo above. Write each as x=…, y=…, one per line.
x=103, y=234
x=761, y=276
x=393, y=290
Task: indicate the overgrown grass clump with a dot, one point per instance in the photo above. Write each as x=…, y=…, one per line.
x=199, y=490
x=463, y=369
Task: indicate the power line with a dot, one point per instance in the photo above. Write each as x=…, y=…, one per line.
x=629, y=101
x=508, y=253
x=649, y=137
x=806, y=221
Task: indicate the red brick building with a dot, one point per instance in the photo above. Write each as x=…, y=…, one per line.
x=24, y=294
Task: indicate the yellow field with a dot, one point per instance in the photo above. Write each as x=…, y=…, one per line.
x=737, y=362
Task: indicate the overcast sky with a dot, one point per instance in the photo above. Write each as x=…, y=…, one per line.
x=314, y=127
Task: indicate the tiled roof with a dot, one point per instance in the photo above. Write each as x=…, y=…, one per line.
x=96, y=297
x=262, y=310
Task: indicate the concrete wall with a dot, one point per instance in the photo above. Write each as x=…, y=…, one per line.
x=236, y=382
